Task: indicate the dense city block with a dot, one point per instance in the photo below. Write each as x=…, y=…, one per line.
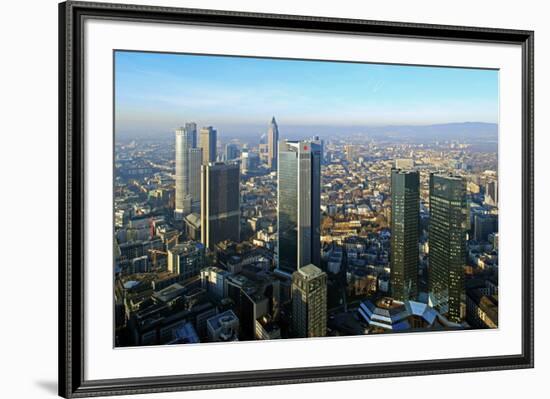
x=226, y=238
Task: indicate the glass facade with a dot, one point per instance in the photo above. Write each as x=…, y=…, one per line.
x=208, y=143
x=405, y=216
x=299, y=205
x=220, y=203
x=309, y=302
x=195, y=161
x=287, y=210
x=272, y=144
x=185, y=139
x=447, y=234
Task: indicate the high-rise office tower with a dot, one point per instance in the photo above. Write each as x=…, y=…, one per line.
x=220, y=203
x=249, y=162
x=299, y=205
x=208, y=143
x=192, y=128
x=491, y=193
x=185, y=137
x=321, y=142
x=309, y=302
x=484, y=225
x=195, y=162
x=405, y=215
x=272, y=144
x=232, y=151
x=447, y=243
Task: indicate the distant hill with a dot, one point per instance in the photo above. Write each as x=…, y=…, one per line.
x=471, y=131
x=446, y=131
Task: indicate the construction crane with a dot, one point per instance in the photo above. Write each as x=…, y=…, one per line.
x=170, y=240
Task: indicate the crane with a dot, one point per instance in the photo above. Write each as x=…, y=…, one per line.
x=170, y=240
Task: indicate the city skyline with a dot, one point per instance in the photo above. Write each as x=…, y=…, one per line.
x=282, y=236
x=154, y=90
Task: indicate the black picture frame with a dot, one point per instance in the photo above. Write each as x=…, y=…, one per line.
x=71, y=199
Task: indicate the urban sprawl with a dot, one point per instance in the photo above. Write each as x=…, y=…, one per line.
x=232, y=241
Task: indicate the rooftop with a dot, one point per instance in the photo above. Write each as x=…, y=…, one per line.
x=186, y=248
x=193, y=219
x=169, y=293
x=310, y=271
x=215, y=322
x=394, y=315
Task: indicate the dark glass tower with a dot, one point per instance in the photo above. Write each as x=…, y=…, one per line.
x=405, y=214
x=220, y=203
x=299, y=205
x=447, y=241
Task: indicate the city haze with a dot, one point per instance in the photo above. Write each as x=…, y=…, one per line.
x=260, y=199
x=154, y=91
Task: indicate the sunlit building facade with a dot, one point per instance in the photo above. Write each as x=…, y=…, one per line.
x=208, y=143
x=309, y=302
x=185, y=139
x=299, y=205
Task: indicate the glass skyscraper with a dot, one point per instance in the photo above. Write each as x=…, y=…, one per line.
x=208, y=143
x=186, y=137
x=309, y=302
x=232, y=151
x=272, y=143
x=220, y=203
x=195, y=162
x=299, y=205
x=447, y=242
x=405, y=214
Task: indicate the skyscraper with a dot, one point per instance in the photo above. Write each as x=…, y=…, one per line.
x=195, y=162
x=321, y=142
x=249, y=161
x=299, y=205
x=491, y=193
x=272, y=144
x=185, y=137
x=484, y=225
x=220, y=203
x=405, y=214
x=192, y=128
x=232, y=151
x=447, y=245
x=309, y=302
x=208, y=143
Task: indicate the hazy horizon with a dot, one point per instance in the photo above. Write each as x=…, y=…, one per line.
x=453, y=130
x=157, y=92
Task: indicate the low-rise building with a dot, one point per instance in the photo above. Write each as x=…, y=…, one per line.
x=223, y=327
x=389, y=315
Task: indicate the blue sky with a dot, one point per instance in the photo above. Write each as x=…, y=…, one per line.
x=161, y=91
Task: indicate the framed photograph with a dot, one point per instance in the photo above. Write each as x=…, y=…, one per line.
x=254, y=199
